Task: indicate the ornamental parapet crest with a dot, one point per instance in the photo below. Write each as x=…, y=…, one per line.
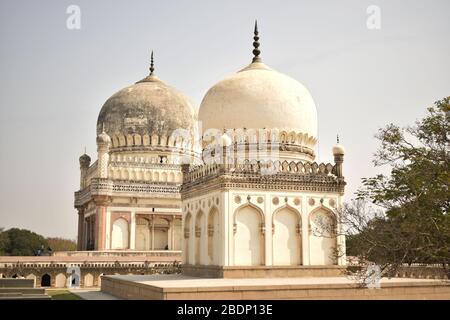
x=264, y=175
x=108, y=187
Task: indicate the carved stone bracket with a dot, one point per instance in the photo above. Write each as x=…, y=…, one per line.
x=298, y=228
x=262, y=228
x=198, y=232
x=210, y=230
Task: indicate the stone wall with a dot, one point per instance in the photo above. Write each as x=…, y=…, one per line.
x=57, y=271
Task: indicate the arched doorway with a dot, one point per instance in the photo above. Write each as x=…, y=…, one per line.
x=46, y=280
x=286, y=246
x=248, y=240
x=120, y=234
x=213, y=236
x=322, y=240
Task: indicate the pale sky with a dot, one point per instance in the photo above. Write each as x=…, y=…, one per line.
x=54, y=81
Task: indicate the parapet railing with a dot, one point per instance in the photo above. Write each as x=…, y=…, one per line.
x=267, y=168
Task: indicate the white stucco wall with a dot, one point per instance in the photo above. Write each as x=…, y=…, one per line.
x=260, y=228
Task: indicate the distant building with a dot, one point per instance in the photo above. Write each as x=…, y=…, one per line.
x=129, y=198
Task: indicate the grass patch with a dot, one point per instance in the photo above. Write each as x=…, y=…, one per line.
x=62, y=295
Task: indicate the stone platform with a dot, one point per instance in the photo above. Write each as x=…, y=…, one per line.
x=175, y=287
x=262, y=271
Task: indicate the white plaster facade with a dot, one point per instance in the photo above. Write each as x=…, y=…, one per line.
x=252, y=228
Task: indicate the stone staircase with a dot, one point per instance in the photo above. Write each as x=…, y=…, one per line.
x=21, y=289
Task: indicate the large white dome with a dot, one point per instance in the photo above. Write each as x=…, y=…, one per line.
x=258, y=97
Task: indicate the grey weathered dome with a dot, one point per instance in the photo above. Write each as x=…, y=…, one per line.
x=147, y=107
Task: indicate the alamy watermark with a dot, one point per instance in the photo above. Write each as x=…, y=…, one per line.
x=373, y=21
x=73, y=21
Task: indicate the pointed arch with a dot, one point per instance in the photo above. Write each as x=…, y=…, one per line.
x=286, y=236
x=248, y=230
x=187, y=228
x=200, y=237
x=142, y=232
x=322, y=236
x=60, y=280
x=213, y=236
x=120, y=232
x=46, y=280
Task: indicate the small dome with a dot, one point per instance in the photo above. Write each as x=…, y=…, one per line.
x=103, y=138
x=147, y=107
x=338, y=149
x=226, y=140
x=85, y=160
x=258, y=97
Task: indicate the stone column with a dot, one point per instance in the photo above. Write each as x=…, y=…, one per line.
x=133, y=230
x=172, y=243
x=153, y=233
x=100, y=223
x=305, y=232
x=80, y=240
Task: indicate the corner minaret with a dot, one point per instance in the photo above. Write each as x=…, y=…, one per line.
x=85, y=162
x=338, y=153
x=103, y=145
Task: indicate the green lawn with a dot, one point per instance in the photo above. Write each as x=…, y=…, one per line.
x=61, y=294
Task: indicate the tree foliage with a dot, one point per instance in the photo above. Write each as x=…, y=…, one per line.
x=21, y=242
x=61, y=244
x=414, y=225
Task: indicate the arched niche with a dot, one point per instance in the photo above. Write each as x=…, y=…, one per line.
x=119, y=238
x=286, y=239
x=88, y=280
x=161, y=228
x=199, y=237
x=322, y=237
x=248, y=236
x=60, y=280
x=177, y=234
x=213, y=236
x=187, y=237
x=142, y=241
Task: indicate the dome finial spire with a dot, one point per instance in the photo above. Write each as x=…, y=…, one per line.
x=151, y=64
x=337, y=138
x=256, y=51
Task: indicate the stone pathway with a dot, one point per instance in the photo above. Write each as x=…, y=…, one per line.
x=92, y=294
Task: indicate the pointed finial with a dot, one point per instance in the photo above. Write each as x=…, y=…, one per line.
x=84, y=149
x=151, y=64
x=337, y=138
x=256, y=51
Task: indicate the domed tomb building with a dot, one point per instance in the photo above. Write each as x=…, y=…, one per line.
x=259, y=205
x=129, y=197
